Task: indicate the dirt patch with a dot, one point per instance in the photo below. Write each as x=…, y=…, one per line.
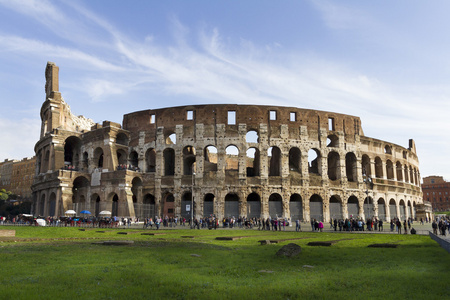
x=326, y=243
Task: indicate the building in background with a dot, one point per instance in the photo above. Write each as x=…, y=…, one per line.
x=6, y=169
x=436, y=191
x=228, y=160
x=22, y=178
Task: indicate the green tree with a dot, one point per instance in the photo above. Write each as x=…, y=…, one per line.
x=4, y=195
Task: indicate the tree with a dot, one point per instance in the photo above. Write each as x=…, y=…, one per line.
x=4, y=195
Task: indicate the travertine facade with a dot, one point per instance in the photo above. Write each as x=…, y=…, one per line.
x=247, y=160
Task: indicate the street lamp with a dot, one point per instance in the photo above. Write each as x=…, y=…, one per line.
x=192, y=201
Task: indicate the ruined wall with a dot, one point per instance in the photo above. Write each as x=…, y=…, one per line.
x=233, y=160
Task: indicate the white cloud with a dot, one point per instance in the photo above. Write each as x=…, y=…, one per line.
x=19, y=137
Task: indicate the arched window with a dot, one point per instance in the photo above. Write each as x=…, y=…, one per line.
x=350, y=167
x=314, y=164
x=399, y=170
x=274, y=154
x=210, y=159
x=134, y=159
x=188, y=160
x=232, y=158
x=378, y=168
x=389, y=169
x=171, y=139
x=333, y=165
x=169, y=162
x=295, y=160
x=98, y=157
x=252, y=162
x=332, y=141
x=150, y=159
x=252, y=136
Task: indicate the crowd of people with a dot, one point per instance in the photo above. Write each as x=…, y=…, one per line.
x=440, y=225
x=128, y=167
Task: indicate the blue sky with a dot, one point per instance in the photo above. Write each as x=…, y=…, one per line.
x=387, y=62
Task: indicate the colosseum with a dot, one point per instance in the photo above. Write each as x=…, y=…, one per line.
x=223, y=160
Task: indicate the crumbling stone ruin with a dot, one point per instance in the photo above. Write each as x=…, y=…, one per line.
x=234, y=160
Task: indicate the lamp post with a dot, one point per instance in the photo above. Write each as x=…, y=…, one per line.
x=192, y=201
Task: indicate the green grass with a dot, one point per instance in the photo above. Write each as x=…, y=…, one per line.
x=66, y=263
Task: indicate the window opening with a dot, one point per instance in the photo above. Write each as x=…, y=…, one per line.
x=231, y=117
x=272, y=115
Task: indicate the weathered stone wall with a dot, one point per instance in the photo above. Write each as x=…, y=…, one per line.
x=248, y=160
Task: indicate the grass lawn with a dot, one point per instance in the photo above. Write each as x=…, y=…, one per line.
x=55, y=263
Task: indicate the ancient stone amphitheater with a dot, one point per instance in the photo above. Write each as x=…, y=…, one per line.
x=226, y=160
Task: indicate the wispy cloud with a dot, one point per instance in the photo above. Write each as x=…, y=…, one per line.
x=208, y=67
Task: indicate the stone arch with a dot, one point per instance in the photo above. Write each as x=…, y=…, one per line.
x=402, y=209
x=253, y=205
x=378, y=167
x=210, y=159
x=252, y=136
x=389, y=169
x=399, y=169
x=95, y=200
x=232, y=158
x=121, y=158
x=275, y=205
x=169, y=205
x=393, y=209
x=314, y=161
x=52, y=205
x=42, y=205
x=148, y=206
x=169, y=162
x=85, y=163
x=351, y=169
x=232, y=205
x=410, y=210
x=316, y=207
x=80, y=191
x=150, y=160
x=98, y=157
x=366, y=169
x=336, y=207
x=295, y=158
x=136, y=190
x=171, y=139
x=296, y=207
x=72, y=151
x=208, y=205
x=381, y=209
x=274, y=156
x=253, y=162
x=115, y=205
x=333, y=165
x=186, y=201
x=188, y=160
x=134, y=159
x=416, y=177
x=387, y=149
x=411, y=175
x=46, y=165
x=369, y=211
x=353, y=206
x=332, y=140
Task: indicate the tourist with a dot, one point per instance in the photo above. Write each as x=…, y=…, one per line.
x=320, y=226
